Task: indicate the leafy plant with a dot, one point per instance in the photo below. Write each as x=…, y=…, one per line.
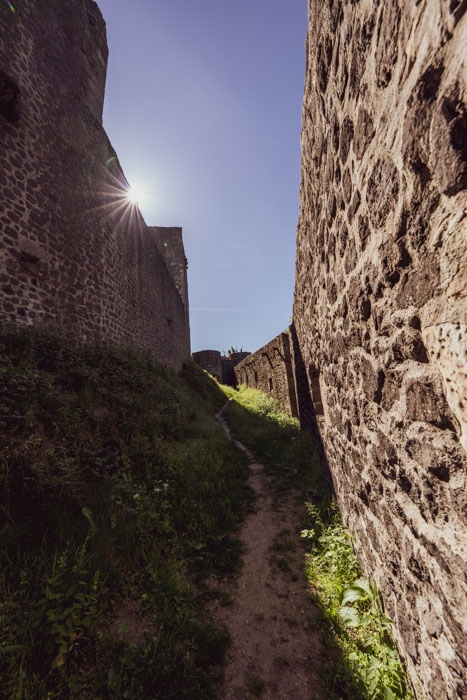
x=351, y=605
x=66, y=615
x=380, y=668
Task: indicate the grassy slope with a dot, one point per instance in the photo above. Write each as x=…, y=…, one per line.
x=116, y=486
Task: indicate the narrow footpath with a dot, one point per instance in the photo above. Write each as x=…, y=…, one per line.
x=277, y=651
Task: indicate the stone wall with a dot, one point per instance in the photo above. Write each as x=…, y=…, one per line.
x=169, y=240
x=228, y=372
x=170, y=243
x=209, y=360
x=236, y=357
x=75, y=257
x=220, y=366
x=269, y=369
x=380, y=305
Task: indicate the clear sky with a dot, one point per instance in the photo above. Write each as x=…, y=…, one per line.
x=203, y=106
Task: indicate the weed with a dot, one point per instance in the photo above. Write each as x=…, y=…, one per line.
x=351, y=606
x=378, y=662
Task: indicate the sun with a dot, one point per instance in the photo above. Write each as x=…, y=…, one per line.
x=135, y=195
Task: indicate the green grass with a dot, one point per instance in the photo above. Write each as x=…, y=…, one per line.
x=116, y=485
x=288, y=453
x=351, y=612
x=363, y=661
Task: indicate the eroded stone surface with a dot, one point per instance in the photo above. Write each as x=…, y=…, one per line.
x=380, y=307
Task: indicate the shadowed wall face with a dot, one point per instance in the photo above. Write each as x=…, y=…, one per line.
x=75, y=257
x=380, y=304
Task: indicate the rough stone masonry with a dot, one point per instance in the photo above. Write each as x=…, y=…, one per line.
x=270, y=369
x=380, y=308
x=74, y=256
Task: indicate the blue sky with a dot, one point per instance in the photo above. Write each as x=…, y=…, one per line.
x=203, y=106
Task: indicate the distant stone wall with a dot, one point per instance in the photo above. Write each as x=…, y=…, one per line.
x=220, y=366
x=236, y=357
x=210, y=360
x=380, y=306
x=269, y=369
x=74, y=256
x=228, y=372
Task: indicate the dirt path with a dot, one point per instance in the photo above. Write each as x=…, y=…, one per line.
x=276, y=652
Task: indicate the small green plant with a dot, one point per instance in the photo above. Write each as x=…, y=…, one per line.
x=377, y=662
x=351, y=605
x=66, y=615
x=361, y=607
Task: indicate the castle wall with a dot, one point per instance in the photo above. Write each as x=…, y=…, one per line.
x=210, y=360
x=74, y=256
x=380, y=306
x=228, y=372
x=236, y=357
x=269, y=369
x=169, y=240
x=221, y=367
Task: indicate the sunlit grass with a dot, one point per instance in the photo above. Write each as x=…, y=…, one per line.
x=288, y=453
